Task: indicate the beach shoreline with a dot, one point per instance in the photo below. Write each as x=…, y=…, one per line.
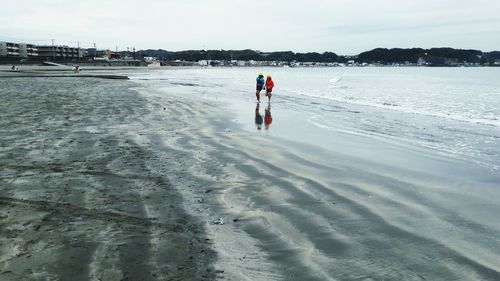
x=190, y=178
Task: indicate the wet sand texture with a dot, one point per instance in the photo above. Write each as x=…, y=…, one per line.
x=297, y=212
x=79, y=199
x=86, y=170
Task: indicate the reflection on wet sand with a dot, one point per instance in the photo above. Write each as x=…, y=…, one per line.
x=258, y=117
x=268, y=119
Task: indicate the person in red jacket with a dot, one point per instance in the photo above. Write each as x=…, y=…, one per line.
x=269, y=87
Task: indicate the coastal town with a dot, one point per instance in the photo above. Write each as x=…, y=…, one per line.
x=24, y=53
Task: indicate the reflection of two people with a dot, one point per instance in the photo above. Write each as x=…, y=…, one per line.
x=267, y=120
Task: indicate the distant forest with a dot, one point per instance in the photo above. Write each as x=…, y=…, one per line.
x=379, y=55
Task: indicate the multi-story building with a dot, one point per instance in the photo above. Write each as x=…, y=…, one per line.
x=27, y=50
x=18, y=50
x=50, y=52
x=13, y=51
x=8, y=49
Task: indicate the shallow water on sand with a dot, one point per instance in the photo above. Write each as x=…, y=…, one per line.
x=363, y=174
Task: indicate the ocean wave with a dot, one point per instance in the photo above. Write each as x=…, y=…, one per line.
x=486, y=118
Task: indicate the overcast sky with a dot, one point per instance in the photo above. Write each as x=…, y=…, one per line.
x=342, y=26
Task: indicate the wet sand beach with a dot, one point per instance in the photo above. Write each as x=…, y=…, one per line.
x=79, y=197
x=165, y=177
x=300, y=202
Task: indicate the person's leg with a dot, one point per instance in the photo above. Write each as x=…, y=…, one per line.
x=257, y=94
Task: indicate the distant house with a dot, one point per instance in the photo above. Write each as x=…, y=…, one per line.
x=497, y=62
x=114, y=55
x=451, y=62
x=154, y=64
x=421, y=61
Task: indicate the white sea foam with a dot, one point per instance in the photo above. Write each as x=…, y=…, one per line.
x=459, y=112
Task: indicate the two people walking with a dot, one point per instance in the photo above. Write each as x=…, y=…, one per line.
x=268, y=85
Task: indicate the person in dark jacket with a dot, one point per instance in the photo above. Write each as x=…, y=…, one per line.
x=260, y=86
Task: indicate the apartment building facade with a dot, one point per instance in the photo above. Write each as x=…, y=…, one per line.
x=44, y=52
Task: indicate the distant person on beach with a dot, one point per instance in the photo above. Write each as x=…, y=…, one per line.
x=269, y=87
x=260, y=85
x=258, y=117
x=268, y=119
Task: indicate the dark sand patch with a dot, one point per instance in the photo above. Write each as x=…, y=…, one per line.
x=79, y=199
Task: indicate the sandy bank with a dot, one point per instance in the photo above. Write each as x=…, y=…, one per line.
x=80, y=198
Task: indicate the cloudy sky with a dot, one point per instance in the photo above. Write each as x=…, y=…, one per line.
x=342, y=26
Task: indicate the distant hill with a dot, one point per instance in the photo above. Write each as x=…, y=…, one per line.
x=495, y=55
x=386, y=56
x=196, y=55
x=433, y=56
x=391, y=55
